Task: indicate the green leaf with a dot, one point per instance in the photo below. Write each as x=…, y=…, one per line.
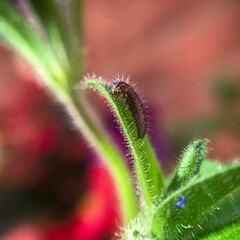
x=55, y=27
x=76, y=11
x=63, y=24
x=224, y=213
x=189, y=165
x=202, y=197
x=98, y=138
x=227, y=233
x=16, y=33
x=147, y=170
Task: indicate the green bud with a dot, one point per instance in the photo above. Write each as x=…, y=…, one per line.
x=189, y=164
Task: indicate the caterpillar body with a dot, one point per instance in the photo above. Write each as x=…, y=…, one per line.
x=123, y=89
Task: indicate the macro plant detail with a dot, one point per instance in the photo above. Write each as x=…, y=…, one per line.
x=200, y=200
x=135, y=105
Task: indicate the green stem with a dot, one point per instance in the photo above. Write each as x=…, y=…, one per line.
x=16, y=33
x=147, y=170
x=98, y=140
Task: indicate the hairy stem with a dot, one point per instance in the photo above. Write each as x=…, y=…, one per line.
x=96, y=137
x=148, y=172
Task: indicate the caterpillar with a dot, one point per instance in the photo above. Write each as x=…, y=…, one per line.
x=120, y=88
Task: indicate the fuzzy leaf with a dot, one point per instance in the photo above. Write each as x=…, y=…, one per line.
x=16, y=33
x=229, y=232
x=208, y=169
x=148, y=173
x=225, y=213
x=54, y=25
x=62, y=23
x=202, y=197
x=76, y=38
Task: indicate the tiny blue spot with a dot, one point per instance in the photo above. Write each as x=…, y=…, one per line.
x=181, y=202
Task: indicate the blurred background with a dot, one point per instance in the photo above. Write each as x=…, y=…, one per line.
x=185, y=59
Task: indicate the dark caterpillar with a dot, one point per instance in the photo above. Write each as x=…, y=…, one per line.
x=121, y=88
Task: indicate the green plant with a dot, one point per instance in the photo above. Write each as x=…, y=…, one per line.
x=201, y=198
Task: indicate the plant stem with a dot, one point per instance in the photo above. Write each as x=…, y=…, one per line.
x=63, y=81
x=109, y=154
x=148, y=173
